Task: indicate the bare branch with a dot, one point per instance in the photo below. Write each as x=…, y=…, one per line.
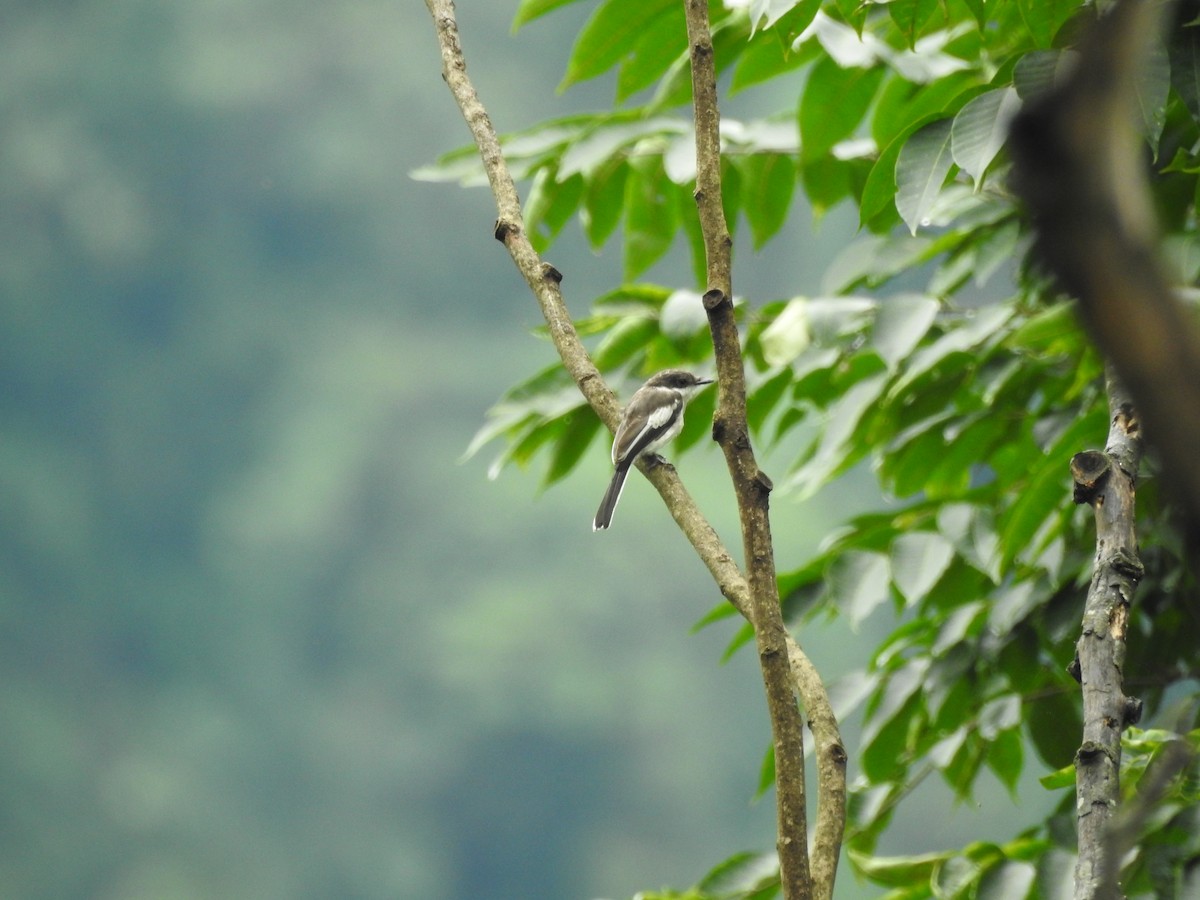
x=1106, y=481
x=544, y=282
x=785, y=668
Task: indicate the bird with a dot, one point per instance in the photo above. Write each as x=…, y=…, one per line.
x=653, y=418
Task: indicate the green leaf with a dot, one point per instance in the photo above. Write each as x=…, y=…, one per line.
x=918, y=560
x=900, y=323
x=744, y=636
x=1151, y=87
x=1049, y=331
x=879, y=191
x=788, y=334
x=962, y=770
x=999, y=714
x=966, y=449
x=768, y=181
x=874, y=259
x=582, y=425
x=982, y=327
x=898, y=871
x=833, y=104
x=720, y=612
x=740, y=875
x=902, y=106
x=1011, y=880
x=650, y=216
x=604, y=202
x=1043, y=18
x=1048, y=491
x=596, y=146
x=907, y=469
x=535, y=9
x=766, y=772
x=1040, y=70
x=1184, y=58
x=769, y=53
x=1056, y=725
x=1056, y=781
x=921, y=169
x=550, y=205
x=961, y=623
x=980, y=129
x=835, y=452
x=858, y=584
x=1005, y=757
x=658, y=46
x=624, y=341
x=762, y=399
x=911, y=16
x=609, y=35
x=885, y=739
x=828, y=181
x=547, y=394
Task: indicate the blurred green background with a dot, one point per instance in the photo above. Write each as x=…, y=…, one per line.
x=263, y=635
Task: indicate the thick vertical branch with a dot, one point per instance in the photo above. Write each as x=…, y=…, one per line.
x=752, y=487
x=1107, y=482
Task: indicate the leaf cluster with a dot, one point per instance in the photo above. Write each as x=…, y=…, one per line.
x=966, y=402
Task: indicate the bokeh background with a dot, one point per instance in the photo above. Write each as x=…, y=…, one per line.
x=263, y=634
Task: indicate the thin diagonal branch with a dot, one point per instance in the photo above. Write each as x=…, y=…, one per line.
x=544, y=281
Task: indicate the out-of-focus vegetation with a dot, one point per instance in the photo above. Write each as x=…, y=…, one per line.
x=261, y=635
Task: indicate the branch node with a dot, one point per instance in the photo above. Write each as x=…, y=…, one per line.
x=1089, y=469
x=551, y=274
x=764, y=481
x=714, y=299
x=1127, y=565
x=503, y=228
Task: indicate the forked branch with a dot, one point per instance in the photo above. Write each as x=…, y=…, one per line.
x=789, y=669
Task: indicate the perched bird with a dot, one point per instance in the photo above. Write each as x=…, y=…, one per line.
x=653, y=418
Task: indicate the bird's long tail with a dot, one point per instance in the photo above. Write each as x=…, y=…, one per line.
x=609, y=504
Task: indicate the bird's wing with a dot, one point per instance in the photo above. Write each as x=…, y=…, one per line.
x=664, y=409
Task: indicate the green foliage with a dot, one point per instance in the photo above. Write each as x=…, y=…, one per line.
x=967, y=407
